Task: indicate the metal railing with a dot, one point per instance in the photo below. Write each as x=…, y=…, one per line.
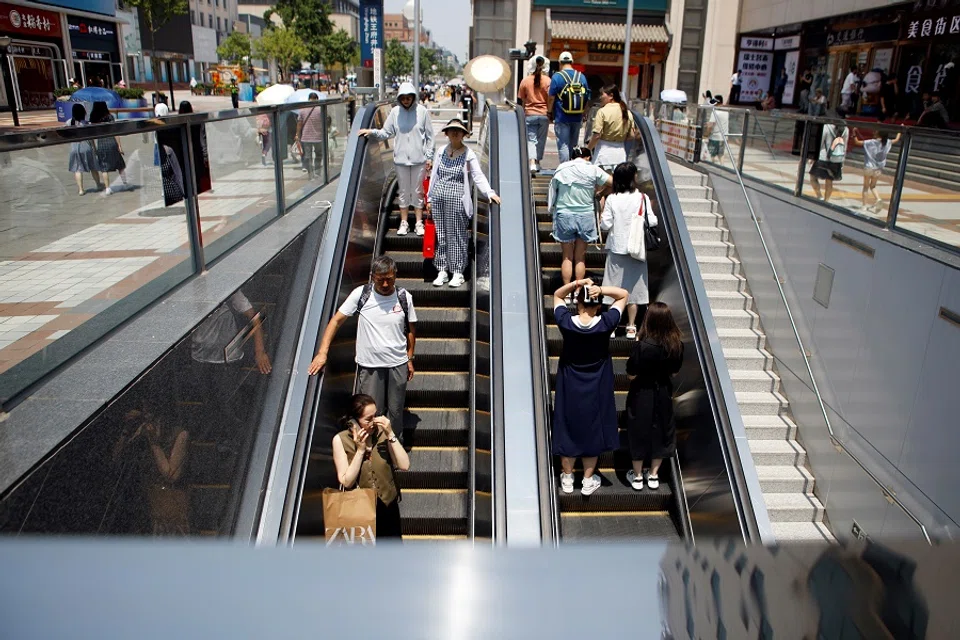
x=805, y=131
x=834, y=439
x=221, y=156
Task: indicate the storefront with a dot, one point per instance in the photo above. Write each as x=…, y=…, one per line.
x=929, y=54
x=598, y=50
x=35, y=56
x=96, y=52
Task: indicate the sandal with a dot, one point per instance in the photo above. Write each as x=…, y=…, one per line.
x=631, y=332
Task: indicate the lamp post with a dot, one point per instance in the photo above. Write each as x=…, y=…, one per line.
x=416, y=47
x=8, y=84
x=625, y=78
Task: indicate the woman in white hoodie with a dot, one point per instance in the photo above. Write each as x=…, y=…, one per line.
x=412, y=152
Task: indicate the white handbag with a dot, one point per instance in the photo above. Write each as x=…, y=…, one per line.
x=636, y=246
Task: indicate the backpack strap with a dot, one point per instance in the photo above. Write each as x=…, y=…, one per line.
x=364, y=296
x=405, y=305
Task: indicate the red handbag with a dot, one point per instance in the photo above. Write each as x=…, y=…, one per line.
x=429, y=238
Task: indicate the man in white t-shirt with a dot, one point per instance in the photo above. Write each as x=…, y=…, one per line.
x=386, y=335
x=850, y=87
x=735, y=81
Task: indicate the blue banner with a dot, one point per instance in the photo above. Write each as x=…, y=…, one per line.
x=371, y=30
x=106, y=7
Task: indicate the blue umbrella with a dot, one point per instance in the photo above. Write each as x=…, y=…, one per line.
x=303, y=95
x=98, y=94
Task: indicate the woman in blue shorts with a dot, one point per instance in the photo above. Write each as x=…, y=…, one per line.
x=571, y=200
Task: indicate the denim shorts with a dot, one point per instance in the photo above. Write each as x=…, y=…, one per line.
x=568, y=227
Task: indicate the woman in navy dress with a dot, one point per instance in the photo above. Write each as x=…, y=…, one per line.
x=584, y=410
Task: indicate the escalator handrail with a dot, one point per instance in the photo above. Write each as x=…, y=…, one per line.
x=748, y=499
x=549, y=509
x=278, y=518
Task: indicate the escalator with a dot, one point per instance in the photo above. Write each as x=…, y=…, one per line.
x=444, y=399
x=709, y=488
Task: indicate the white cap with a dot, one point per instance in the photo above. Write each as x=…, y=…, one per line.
x=406, y=89
x=566, y=56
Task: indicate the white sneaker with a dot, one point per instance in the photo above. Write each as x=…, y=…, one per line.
x=442, y=279
x=590, y=485
x=419, y=229
x=107, y=191
x=404, y=228
x=566, y=482
x=457, y=280
x=635, y=481
x=653, y=481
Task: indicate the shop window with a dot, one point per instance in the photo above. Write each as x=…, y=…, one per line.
x=210, y=20
x=218, y=23
x=218, y=3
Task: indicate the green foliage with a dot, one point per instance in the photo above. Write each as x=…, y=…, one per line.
x=235, y=47
x=309, y=20
x=339, y=48
x=157, y=13
x=65, y=91
x=133, y=93
x=398, y=60
x=283, y=45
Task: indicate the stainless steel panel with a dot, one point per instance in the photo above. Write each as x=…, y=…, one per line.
x=824, y=285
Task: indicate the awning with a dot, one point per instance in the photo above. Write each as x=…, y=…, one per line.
x=608, y=32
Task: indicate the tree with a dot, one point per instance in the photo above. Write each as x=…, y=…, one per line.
x=339, y=48
x=235, y=47
x=283, y=45
x=308, y=19
x=157, y=13
x=398, y=59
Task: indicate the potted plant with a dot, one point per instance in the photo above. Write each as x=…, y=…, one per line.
x=62, y=103
x=132, y=97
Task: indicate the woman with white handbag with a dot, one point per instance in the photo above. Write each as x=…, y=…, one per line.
x=624, y=213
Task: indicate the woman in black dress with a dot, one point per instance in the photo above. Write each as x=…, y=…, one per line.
x=584, y=409
x=657, y=355
x=109, y=151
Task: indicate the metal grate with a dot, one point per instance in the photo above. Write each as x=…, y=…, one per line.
x=823, y=287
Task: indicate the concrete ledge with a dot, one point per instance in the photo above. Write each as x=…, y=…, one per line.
x=76, y=392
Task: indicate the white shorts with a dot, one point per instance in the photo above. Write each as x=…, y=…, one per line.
x=410, y=186
x=873, y=173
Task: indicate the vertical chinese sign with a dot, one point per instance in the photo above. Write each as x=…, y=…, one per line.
x=371, y=30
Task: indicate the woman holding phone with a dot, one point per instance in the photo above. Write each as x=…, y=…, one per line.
x=585, y=411
x=365, y=453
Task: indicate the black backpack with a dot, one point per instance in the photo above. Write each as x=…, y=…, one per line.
x=401, y=296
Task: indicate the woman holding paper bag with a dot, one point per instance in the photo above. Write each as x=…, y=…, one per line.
x=365, y=453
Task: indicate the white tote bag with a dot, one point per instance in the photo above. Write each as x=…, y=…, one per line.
x=636, y=247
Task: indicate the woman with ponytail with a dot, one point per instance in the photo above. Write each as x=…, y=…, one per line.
x=533, y=93
x=612, y=126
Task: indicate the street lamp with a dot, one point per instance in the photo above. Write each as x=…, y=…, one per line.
x=8, y=84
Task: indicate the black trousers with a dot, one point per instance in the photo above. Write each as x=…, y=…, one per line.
x=388, y=520
x=735, y=94
x=235, y=99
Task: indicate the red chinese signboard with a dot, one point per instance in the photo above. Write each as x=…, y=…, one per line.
x=27, y=21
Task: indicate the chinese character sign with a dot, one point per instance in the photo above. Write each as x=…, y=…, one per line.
x=17, y=20
x=755, y=75
x=371, y=29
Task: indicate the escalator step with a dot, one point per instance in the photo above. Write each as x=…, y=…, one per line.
x=442, y=322
x=425, y=427
x=438, y=389
x=426, y=295
x=436, y=468
x=616, y=527
x=615, y=495
x=442, y=354
x=429, y=512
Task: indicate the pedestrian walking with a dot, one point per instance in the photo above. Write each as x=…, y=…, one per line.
x=109, y=151
x=450, y=202
x=568, y=97
x=572, y=201
x=621, y=269
x=851, y=86
x=413, y=152
x=365, y=453
x=829, y=165
x=717, y=128
x=656, y=357
x=875, y=153
x=160, y=109
x=386, y=337
x=467, y=103
x=263, y=135
x=612, y=127
x=534, y=94
x=780, y=88
x=82, y=158
x=584, y=409
x=310, y=138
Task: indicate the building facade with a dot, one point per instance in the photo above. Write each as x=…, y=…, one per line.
x=396, y=26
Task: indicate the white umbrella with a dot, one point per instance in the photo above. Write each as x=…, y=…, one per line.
x=277, y=94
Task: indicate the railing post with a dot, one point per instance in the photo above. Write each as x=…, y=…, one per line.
x=804, y=151
x=190, y=200
x=743, y=139
x=276, y=148
x=898, y=179
x=326, y=145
